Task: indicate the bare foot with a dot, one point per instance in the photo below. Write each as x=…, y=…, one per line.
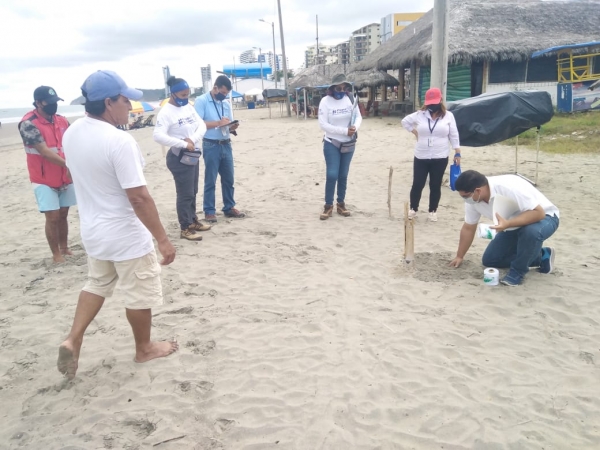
x=156, y=350
x=66, y=252
x=58, y=259
x=67, y=360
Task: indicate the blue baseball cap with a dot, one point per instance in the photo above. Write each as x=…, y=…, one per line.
x=105, y=84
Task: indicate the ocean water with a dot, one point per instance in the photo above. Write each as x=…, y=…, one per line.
x=13, y=115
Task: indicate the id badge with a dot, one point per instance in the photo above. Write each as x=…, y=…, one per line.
x=430, y=142
x=224, y=130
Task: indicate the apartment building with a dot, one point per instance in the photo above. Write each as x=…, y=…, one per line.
x=248, y=57
x=392, y=24
x=363, y=41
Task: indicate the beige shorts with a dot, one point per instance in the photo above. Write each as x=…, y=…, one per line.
x=139, y=278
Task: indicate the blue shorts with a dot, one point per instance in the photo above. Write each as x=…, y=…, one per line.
x=52, y=199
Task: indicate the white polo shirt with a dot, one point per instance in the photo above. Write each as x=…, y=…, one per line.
x=434, y=135
x=515, y=188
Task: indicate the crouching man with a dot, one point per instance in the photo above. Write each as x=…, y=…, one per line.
x=518, y=244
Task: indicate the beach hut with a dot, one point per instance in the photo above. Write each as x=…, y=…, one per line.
x=307, y=84
x=490, y=46
x=372, y=79
x=317, y=75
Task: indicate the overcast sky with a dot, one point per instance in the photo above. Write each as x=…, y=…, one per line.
x=59, y=43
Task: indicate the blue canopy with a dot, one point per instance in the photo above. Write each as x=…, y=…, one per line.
x=251, y=70
x=235, y=94
x=565, y=47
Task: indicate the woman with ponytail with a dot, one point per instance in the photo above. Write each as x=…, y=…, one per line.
x=179, y=128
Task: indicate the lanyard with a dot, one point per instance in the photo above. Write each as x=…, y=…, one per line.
x=217, y=109
x=429, y=124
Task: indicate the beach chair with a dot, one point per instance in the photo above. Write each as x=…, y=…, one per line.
x=385, y=110
x=148, y=121
x=364, y=112
x=137, y=123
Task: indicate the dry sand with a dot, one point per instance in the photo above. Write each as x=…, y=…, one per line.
x=303, y=334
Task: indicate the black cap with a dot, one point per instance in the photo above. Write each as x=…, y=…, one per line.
x=46, y=93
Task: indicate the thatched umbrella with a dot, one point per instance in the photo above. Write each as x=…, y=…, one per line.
x=372, y=78
x=483, y=30
x=318, y=75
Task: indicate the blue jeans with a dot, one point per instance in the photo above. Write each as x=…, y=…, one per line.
x=218, y=160
x=338, y=166
x=186, y=186
x=520, y=249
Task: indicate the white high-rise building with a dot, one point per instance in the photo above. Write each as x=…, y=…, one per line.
x=325, y=55
x=363, y=41
x=270, y=60
x=248, y=57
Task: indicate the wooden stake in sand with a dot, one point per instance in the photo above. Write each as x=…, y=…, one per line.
x=390, y=191
x=409, y=236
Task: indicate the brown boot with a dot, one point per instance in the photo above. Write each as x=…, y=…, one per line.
x=341, y=209
x=190, y=234
x=327, y=212
x=199, y=226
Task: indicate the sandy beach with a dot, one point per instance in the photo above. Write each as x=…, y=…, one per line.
x=303, y=334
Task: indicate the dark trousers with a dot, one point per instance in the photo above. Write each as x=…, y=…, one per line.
x=435, y=168
x=186, y=185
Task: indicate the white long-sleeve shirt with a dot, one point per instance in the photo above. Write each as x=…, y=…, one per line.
x=432, y=144
x=173, y=124
x=334, y=118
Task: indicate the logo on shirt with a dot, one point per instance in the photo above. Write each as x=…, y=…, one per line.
x=186, y=121
x=337, y=112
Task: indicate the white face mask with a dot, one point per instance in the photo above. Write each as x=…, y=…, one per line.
x=471, y=201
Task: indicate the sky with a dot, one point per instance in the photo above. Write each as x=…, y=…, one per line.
x=60, y=43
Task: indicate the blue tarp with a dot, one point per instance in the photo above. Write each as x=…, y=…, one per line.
x=565, y=47
x=236, y=94
x=325, y=86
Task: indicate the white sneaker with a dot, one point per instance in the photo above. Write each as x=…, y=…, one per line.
x=412, y=214
x=433, y=216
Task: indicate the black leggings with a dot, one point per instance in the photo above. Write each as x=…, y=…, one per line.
x=435, y=168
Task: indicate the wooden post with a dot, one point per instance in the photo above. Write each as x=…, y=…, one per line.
x=401, y=85
x=414, y=88
x=390, y=192
x=409, y=237
x=439, y=46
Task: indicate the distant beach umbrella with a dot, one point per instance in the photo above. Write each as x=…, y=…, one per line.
x=140, y=107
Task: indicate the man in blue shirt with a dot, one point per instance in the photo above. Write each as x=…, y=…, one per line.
x=213, y=108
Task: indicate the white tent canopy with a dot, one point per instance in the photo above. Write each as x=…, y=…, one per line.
x=255, y=91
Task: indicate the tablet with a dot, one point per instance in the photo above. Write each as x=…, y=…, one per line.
x=229, y=124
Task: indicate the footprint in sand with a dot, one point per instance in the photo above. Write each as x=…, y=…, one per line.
x=587, y=357
x=222, y=425
x=201, y=348
x=201, y=386
x=267, y=233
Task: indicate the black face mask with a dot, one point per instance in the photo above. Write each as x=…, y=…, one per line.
x=434, y=108
x=50, y=109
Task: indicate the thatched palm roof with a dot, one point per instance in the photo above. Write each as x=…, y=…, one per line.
x=318, y=75
x=486, y=30
x=372, y=78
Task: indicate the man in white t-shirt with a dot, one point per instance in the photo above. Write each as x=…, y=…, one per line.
x=118, y=219
x=518, y=244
